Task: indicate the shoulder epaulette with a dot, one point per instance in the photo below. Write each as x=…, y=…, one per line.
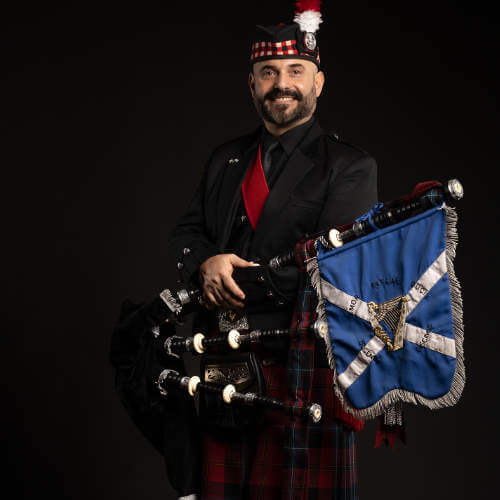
x=335, y=137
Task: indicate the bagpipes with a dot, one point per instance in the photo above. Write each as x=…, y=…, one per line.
x=389, y=309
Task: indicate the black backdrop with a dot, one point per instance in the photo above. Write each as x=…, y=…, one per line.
x=108, y=115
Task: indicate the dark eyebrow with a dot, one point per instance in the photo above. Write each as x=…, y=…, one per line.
x=274, y=68
x=269, y=66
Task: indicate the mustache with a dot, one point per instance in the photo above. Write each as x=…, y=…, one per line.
x=275, y=93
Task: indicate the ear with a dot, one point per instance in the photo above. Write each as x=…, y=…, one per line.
x=319, y=81
x=251, y=83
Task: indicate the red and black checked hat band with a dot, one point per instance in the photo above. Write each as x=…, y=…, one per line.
x=285, y=41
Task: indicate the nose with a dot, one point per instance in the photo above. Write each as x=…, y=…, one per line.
x=281, y=82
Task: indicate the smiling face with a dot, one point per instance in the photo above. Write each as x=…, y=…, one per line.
x=285, y=91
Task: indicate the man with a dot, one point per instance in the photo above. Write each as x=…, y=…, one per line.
x=258, y=196
x=284, y=92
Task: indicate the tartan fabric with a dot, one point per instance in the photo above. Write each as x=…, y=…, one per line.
x=261, y=49
x=304, y=316
x=331, y=460
x=289, y=458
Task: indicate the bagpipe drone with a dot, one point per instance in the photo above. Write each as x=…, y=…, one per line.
x=389, y=309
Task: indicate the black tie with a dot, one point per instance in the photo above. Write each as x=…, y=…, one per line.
x=267, y=160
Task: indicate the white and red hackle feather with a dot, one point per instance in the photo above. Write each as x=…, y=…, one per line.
x=308, y=15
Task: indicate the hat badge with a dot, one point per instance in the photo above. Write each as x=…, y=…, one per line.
x=310, y=40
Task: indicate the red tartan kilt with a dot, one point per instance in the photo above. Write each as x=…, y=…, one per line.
x=331, y=456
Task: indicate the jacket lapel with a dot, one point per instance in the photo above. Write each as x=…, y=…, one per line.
x=294, y=171
x=230, y=189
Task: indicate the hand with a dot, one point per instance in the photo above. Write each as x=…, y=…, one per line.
x=219, y=288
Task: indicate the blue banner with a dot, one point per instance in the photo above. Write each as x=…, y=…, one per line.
x=393, y=309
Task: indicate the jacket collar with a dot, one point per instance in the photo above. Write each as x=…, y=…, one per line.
x=290, y=139
x=229, y=193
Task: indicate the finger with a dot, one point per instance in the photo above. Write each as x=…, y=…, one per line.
x=236, y=304
x=231, y=300
x=221, y=298
x=212, y=300
x=231, y=285
x=205, y=302
x=239, y=262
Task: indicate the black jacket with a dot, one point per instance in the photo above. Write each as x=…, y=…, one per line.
x=326, y=182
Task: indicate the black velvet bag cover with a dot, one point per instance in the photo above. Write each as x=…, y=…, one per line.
x=169, y=423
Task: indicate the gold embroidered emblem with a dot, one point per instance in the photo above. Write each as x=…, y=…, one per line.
x=393, y=313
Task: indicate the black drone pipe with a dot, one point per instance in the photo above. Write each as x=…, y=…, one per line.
x=198, y=344
x=389, y=214
x=168, y=379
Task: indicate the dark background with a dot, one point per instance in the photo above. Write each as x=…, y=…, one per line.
x=108, y=115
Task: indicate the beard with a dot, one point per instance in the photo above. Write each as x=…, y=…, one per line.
x=280, y=114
